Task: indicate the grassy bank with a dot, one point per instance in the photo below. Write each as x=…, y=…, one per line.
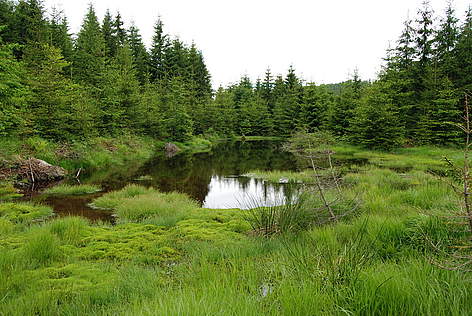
x=102, y=156
x=353, y=159
x=168, y=256
x=91, y=154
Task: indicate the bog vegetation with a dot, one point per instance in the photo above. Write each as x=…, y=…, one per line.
x=384, y=237
x=167, y=256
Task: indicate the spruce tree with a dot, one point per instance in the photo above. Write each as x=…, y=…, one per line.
x=13, y=93
x=89, y=56
x=59, y=109
x=141, y=56
x=7, y=19
x=445, y=41
x=30, y=23
x=424, y=36
x=150, y=112
x=160, y=43
x=120, y=93
x=118, y=30
x=59, y=34
x=109, y=36
x=176, y=63
x=267, y=86
x=375, y=120
x=400, y=74
x=316, y=101
x=340, y=114
x=199, y=74
x=463, y=57
x=437, y=123
x=287, y=104
x=178, y=123
x=226, y=116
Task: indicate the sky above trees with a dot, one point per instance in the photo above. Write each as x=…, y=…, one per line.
x=324, y=40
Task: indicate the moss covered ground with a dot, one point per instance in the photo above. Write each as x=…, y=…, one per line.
x=168, y=256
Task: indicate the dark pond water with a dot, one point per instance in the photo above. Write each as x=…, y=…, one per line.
x=214, y=178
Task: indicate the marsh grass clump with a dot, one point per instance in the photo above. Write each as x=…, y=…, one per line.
x=70, y=230
x=156, y=207
x=66, y=189
x=24, y=212
x=112, y=199
x=286, y=216
x=42, y=248
x=138, y=204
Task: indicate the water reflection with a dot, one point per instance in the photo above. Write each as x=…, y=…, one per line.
x=214, y=179
x=211, y=178
x=244, y=193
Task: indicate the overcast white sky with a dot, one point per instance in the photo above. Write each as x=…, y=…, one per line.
x=324, y=39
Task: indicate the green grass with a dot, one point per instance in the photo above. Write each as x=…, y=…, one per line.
x=23, y=212
x=8, y=192
x=196, y=145
x=277, y=176
x=254, y=138
x=66, y=189
x=112, y=199
x=138, y=204
x=90, y=155
x=167, y=256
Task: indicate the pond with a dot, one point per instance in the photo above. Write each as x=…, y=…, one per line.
x=214, y=178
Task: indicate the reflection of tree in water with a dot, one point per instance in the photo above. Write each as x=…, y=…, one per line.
x=192, y=174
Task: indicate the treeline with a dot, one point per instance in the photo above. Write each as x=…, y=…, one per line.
x=417, y=97
x=104, y=81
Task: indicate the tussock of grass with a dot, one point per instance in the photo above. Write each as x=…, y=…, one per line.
x=156, y=206
x=41, y=249
x=138, y=204
x=112, y=199
x=66, y=189
x=195, y=145
x=69, y=230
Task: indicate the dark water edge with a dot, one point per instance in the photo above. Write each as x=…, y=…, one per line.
x=211, y=178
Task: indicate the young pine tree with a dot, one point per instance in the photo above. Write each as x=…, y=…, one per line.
x=59, y=34
x=13, y=93
x=89, y=56
x=463, y=57
x=120, y=93
x=109, y=36
x=177, y=121
x=140, y=55
x=159, y=45
x=375, y=124
x=59, y=109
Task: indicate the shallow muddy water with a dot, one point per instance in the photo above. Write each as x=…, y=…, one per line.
x=214, y=179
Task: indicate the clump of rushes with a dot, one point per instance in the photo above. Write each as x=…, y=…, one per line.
x=66, y=189
x=112, y=199
x=289, y=216
x=139, y=204
x=23, y=213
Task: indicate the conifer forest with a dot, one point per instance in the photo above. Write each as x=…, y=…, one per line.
x=131, y=185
